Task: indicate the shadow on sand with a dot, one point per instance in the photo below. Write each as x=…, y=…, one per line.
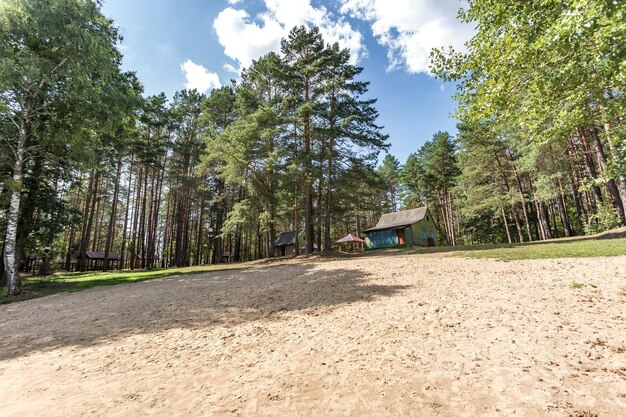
x=196, y=301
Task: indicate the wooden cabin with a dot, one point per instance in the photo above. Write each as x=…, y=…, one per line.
x=285, y=244
x=403, y=228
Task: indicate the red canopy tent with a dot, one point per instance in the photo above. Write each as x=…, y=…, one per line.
x=349, y=239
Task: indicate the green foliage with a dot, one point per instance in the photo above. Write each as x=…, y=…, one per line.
x=605, y=219
x=11, y=185
x=390, y=173
x=428, y=178
x=548, y=68
x=64, y=105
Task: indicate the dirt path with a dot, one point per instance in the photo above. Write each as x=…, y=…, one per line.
x=372, y=336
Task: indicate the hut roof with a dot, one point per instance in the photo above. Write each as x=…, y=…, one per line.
x=100, y=255
x=286, y=238
x=399, y=219
x=350, y=238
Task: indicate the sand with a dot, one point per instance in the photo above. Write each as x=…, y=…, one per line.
x=371, y=336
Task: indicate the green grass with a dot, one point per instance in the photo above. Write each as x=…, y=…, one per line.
x=534, y=250
x=576, y=285
x=35, y=287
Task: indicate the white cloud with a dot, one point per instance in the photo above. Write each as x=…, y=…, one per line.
x=230, y=68
x=199, y=77
x=245, y=38
x=411, y=28
x=234, y=1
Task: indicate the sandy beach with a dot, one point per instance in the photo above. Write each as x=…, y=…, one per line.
x=405, y=335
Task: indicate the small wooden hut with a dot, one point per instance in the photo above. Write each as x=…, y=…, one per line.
x=285, y=244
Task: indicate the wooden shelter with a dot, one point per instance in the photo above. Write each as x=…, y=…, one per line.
x=285, y=244
x=95, y=260
x=350, y=242
x=403, y=228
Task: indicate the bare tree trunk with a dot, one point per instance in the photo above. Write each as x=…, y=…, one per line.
x=199, y=233
x=506, y=224
x=155, y=209
x=329, y=204
x=90, y=209
x=109, y=241
x=99, y=219
x=543, y=220
x=142, y=221
x=518, y=226
x=218, y=253
x=318, y=206
x=561, y=206
x=14, y=283
x=128, y=193
x=523, y=200
x=308, y=186
x=450, y=217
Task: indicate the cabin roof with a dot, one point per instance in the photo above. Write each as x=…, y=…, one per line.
x=286, y=238
x=100, y=255
x=399, y=219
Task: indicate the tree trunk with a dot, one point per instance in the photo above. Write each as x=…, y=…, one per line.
x=329, y=205
x=506, y=224
x=14, y=283
x=27, y=216
x=523, y=200
x=308, y=186
x=128, y=193
x=518, y=226
x=611, y=185
x=133, y=237
x=91, y=206
x=218, y=254
x=142, y=221
x=620, y=182
x=199, y=233
x=544, y=221
x=109, y=241
x=561, y=205
x=591, y=170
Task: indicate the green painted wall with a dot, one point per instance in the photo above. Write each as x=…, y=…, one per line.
x=424, y=229
x=408, y=236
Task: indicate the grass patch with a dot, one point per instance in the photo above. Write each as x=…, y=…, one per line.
x=436, y=407
x=576, y=285
x=584, y=413
x=35, y=287
x=533, y=250
x=623, y=291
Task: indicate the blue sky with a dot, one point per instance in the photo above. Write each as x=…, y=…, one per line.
x=193, y=43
